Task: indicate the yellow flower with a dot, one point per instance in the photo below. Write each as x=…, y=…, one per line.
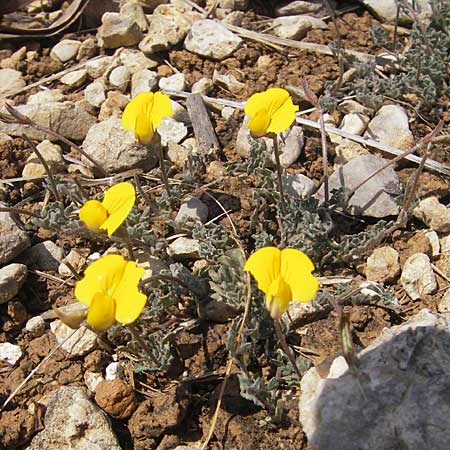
x=284, y=276
x=112, y=211
x=109, y=289
x=271, y=111
x=144, y=113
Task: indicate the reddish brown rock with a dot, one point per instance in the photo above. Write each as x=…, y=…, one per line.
x=116, y=398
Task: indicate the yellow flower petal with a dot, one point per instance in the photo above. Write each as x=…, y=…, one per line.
x=264, y=265
x=129, y=301
x=278, y=297
x=144, y=113
x=296, y=268
x=101, y=312
x=271, y=111
x=102, y=276
x=283, y=117
x=93, y=214
x=259, y=124
x=118, y=202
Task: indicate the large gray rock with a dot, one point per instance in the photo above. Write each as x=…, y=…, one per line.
x=390, y=126
x=289, y=7
x=79, y=343
x=376, y=198
x=12, y=278
x=13, y=240
x=116, y=149
x=66, y=118
x=386, y=10
x=398, y=399
x=211, y=39
x=74, y=422
x=44, y=256
x=169, y=25
x=65, y=50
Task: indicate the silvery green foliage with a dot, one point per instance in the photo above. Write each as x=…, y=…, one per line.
x=197, y=286
x=138, y=226
x=226, y=278
x=214, y=240
x=55, y=216
x=162, y=296
x=256, y=160
x=415, y=72
x=160, y=348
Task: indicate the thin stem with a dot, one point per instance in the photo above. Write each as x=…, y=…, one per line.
x=279, y=172
x=11, y=209
x=20, y=118
x=163, y=169
x=323, y=136
x=285, y=347
x=143, y=344
x=46, y=167
x=123, y=233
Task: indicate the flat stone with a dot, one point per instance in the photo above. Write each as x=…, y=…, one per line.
x=434, y=214
x=73, y=421
x=183, y=247
x=234, y=5
x=35, y=326
x=118, y=30
x=52, y=154
x=116, y=149
x=383, y=265
x=80, y=344
x=398, y=395
x=97, y=67
x=10, y=354
x=92, y=380
x=354, y=123
x=296, y=27
x=192, y=209
x=391, y=126
x=75, y=79
x=10, y=81
x=13, y=240
x=376, y=198
x=45, y=256
x=135, y=60
x=292, y=146
x=386, y=10
x=66, y=118
x=433, y=237
x=299, y=185
x=12, y=278
x=352, y=107
x=176, y=82
x=169, y=25
x=203, y=86
x=211, y=39
x=46, y=96
x=348, y=150
x=65, y=50
x=228, y=82
x=171, y=130
x=94, y=93
x=119, y=78
x=88, y=49
x=143, y=81
x=288, y=8
x=417, y=277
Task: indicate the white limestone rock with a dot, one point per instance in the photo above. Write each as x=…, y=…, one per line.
x=417, y=277
x=211, y=39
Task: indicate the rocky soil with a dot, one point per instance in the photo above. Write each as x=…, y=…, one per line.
x=375, y=369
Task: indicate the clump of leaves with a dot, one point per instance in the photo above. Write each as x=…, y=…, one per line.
x=420, y=69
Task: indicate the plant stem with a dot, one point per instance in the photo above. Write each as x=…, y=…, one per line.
x=285, y=347
x=163, y=170
x=123, y=233
x=279, y=172
x=143, y=344
x=323, y=136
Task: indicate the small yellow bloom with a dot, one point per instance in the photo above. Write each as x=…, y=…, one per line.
x=284, y=276
x=271, y=111
x=144, y=113
x=112, y=211
x=109, y=289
